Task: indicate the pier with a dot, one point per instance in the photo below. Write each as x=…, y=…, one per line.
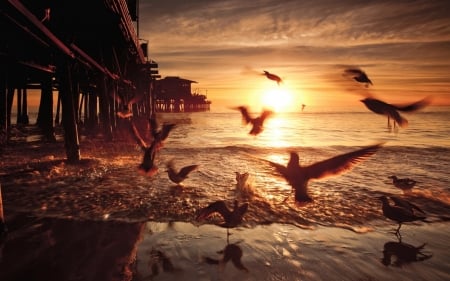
x=89, y=55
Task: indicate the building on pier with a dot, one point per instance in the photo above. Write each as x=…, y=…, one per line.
x=174, y=94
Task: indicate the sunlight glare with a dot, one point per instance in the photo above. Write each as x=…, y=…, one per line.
x=278, y=99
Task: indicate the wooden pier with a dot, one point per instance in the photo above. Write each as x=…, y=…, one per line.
x=86, y=51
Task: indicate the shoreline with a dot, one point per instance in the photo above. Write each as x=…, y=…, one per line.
x=65, y=249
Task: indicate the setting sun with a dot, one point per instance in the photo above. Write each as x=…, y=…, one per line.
x=278, y=99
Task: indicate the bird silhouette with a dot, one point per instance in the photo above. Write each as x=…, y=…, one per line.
x=273, y=77
x=159, y=135
x=231, y=218
x=147, y=166
x=126, y=98
x=231, y=252
x=257, y=122
x=358, y=75
x=298, y=176
x=179, y=176
x=391, y=111
x=405, y=184
x=398, y=214
x=406, y=204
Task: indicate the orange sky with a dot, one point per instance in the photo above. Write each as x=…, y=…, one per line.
x=225, y=45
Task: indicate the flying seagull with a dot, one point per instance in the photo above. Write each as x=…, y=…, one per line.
x=179, y=176
x=231, y=218
x=391, y=111
x=298, y=176
x=273, y=77
x=359, y=75
x=159, y=135
x=257, y=122
x=147, y=165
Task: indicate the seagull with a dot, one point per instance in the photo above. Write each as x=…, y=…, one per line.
x=126, y=100
x=298, y=176
x=391, y=111
x=273, y=77
x=398, y=214
x=147, y=165
x=358, y=75
x=231, y=218
x=160, y=135
x=406, y=204
x=405, y=184
x=179, y=176
x=257, y=123
x=231, y=252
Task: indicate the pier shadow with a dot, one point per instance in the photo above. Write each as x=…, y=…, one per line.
x=65, y=249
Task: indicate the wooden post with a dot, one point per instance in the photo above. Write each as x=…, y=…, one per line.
x=71, y=140
x=45, y=114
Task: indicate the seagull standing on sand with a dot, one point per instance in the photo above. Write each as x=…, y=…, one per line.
x=273, y=77
x=405, y=184
x=298, y=176
x=257, y=123
x=406, y=204
x=358, y=75
x=398, y=213
x=391, y=111
x=179, y=176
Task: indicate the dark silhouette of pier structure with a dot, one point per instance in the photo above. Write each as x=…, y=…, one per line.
x=87, y=52
x=174, y=94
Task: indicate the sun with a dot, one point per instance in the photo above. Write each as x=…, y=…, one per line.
x=278, y=99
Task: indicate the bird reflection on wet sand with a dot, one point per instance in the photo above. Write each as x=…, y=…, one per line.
x=298, y=176
x=404, y=253
x=158, y=260
x=231, y=252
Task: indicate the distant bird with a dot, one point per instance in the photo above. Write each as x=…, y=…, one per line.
x=231, y=252
x=160, y=135
x=303, y=106
x=147, y=165
x=231, y=218
x=391, y=111
x=405, y=184
x=398, y=214
x=273, y=77
x=257, y=123
x=298, y=176
x=179, y=176
x=358, y=75
x=406, y=204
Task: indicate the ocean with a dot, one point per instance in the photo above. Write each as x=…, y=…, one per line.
x=220, y=144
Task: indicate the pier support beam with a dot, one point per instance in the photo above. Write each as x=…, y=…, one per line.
x=71, y=140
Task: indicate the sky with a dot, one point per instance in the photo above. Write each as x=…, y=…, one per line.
x=403, y=47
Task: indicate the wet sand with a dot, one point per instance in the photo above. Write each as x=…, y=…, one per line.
x=66, y=249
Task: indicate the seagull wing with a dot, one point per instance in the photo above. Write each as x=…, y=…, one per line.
x=215, y=207
x=184, y=172
x=414, y=106
x=340, y=163
x=137, y=136
x=166, y=129
x=406, y=204
x=265, y=114
x=245, y=115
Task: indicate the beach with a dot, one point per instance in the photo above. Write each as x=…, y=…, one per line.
x=100, y=220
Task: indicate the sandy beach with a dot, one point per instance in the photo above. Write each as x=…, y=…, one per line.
x=70, y=239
